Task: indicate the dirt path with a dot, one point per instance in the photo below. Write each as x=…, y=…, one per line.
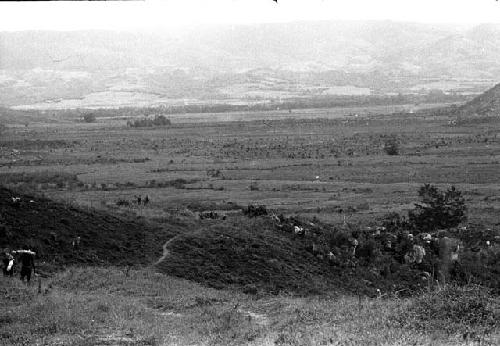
x=166, y=252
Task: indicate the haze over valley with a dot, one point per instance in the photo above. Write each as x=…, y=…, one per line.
x=245, y=64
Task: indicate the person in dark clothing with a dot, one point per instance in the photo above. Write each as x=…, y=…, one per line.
x=27, y=259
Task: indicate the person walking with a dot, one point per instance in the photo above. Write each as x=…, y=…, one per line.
x=27, y=259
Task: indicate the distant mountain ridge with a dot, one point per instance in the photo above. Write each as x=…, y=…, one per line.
x=217, y=62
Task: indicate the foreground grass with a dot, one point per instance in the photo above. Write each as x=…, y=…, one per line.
x=89, y=306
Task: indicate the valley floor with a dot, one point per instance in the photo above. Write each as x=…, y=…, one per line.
x=116, y=306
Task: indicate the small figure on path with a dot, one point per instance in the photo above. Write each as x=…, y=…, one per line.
x=27, y=259
x=76, y=242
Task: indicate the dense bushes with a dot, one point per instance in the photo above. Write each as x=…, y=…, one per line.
x=89, y=118
x=254, y=211
x=438, y=210
x=391, y=146
x=158, y=120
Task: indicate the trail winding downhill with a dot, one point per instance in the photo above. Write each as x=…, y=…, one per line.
x=166, y=251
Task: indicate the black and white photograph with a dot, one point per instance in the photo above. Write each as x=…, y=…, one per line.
x=250, y=172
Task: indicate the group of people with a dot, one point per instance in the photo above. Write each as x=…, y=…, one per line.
x=25, y=257
x=141, y=200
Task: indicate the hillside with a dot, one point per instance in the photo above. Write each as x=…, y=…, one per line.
x=49, y=228
x=243, y=253
x=486, y=104
x=218, y=63
x=256, y=255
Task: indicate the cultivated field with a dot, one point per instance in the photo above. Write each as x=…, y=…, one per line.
x=331, y=167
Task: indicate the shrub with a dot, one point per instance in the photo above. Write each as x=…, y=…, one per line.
x=391, y=146
x=254, y=187
x=89, y=118
x=394, y=222
x=438, y=209
x=254, y=211
x=158, y=120
x=122, y=202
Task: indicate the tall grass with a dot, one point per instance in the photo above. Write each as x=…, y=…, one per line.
x=88, y=306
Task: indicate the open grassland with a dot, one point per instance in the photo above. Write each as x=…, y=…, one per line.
x=324, y=169
x=309, y=163
x=113, y=306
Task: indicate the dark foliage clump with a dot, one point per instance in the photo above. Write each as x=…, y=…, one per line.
x=157, y=121
x=391, y=146
x=439, y=209
x=89, y=118
x=394, y=222
x=254, y=211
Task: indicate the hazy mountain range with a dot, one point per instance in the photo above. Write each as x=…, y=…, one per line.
x=251, y=63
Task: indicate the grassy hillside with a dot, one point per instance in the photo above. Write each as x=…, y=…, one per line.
x=486, y=104
x=91, y=306
x=245, y=253
x=256, y=256
x=50, y=228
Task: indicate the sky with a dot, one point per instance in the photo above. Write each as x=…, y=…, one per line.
x=176, y=14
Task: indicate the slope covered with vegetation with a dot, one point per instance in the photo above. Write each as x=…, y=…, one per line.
x=486, y=104
x=52, y=230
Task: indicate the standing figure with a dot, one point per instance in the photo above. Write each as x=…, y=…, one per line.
x=27, y=259
x=8, y=264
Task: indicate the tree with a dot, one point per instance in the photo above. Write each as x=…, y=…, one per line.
x=89, y=118
x=438, y=209
x=157, y=121
x=391, y=146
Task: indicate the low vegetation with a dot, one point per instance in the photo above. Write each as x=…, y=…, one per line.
x=470, y=311
x=157, y=120
x=50, y=228
x=89, y=306
x=89, y=118
x=391, y=146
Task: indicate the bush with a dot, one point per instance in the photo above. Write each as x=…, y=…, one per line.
x=438, y=209
x=89, y=118
x=158, y=120
x=391, y=146
x=254, y=211
x=122, y=202
x=394, y=222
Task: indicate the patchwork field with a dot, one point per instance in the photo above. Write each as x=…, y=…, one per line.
x=331, y=167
